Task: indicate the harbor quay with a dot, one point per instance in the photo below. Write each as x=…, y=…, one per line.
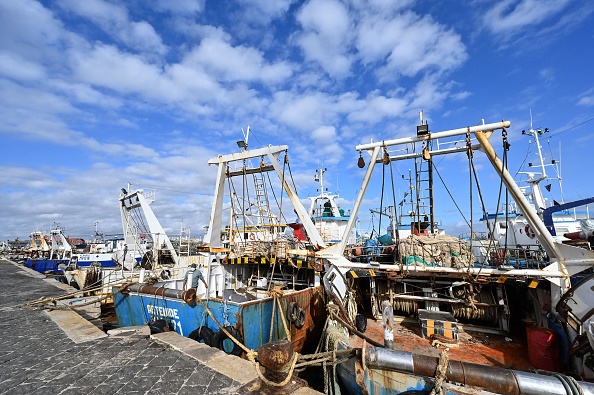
x=45, y=351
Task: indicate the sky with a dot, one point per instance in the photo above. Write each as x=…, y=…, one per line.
x=99, y=95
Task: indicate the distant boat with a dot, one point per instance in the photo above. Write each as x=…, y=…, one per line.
x=98, y=251
x=329, y=218
x=511, y=239
x=48, y=258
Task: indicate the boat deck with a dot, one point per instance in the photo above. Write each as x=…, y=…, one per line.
x=472, y=346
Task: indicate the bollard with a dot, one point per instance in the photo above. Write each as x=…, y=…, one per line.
x=276, y=356
x=388, y=324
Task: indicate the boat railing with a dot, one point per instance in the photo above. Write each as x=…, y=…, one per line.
x=450, y=252
x=529, y=256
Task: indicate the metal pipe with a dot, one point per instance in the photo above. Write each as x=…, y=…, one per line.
x=159, y=291
x=490, y=378
x=432, y=136
x=358, y=201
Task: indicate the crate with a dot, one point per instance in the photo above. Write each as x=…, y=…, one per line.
x=438, y=322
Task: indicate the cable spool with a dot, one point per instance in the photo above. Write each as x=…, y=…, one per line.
x=403, y=305
x=488, y=314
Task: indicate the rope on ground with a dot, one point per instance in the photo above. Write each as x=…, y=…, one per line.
x=71, y=294
x=440, y=373
x=54, y=301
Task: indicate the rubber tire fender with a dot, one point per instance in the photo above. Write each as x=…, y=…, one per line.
x=292, y=312
x=300, y=321
x=220, y=336
x=202, y=335
x=158, y=326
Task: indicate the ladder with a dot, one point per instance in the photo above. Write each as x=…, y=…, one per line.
x=263, y=215
x=184, y=242
x=424, y=192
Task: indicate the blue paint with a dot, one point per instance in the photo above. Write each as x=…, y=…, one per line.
x=45, y=265
x=252, y=319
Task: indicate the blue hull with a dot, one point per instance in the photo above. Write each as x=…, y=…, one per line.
x=104, y=264
x=86, y=260
x=251, y=318
x=46, y=265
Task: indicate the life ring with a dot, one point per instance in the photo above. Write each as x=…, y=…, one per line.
x=222, y=341
x=202, y=335
x=292, y=311
x=252, y=236
x=529, y=231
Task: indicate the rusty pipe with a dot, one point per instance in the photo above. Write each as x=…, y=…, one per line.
x=490, y=378
x=159, y=291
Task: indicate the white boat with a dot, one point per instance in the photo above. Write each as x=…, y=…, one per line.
x=489, y=318
x=329, y=218
x=563, y=220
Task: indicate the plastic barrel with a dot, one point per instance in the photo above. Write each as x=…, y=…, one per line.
x=543, y=349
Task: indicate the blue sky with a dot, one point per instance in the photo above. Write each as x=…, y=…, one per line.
x=97, y=94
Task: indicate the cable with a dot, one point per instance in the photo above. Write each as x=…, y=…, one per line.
x=572, y=127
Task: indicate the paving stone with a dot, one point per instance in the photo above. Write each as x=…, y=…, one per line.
x=38, y=358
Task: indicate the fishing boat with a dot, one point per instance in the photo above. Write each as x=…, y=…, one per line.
x=261, y=281
x=98, y=251
x=49, y=257
x=329, y=218
x=144, y=246
x=509, y=232
x=435, y=319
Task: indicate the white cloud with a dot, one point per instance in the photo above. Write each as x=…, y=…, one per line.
x=262, y=11
x=240, y=63
x=15, y=67
x=409, y=44
x=106, y=66
x=508, y=16
x=181, y=7
x=326, y=35
x=587, y=98
x=30, y=31
x=114, y=20
x=377, y=107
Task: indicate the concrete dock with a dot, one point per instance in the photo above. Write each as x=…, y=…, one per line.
x=59, y=352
